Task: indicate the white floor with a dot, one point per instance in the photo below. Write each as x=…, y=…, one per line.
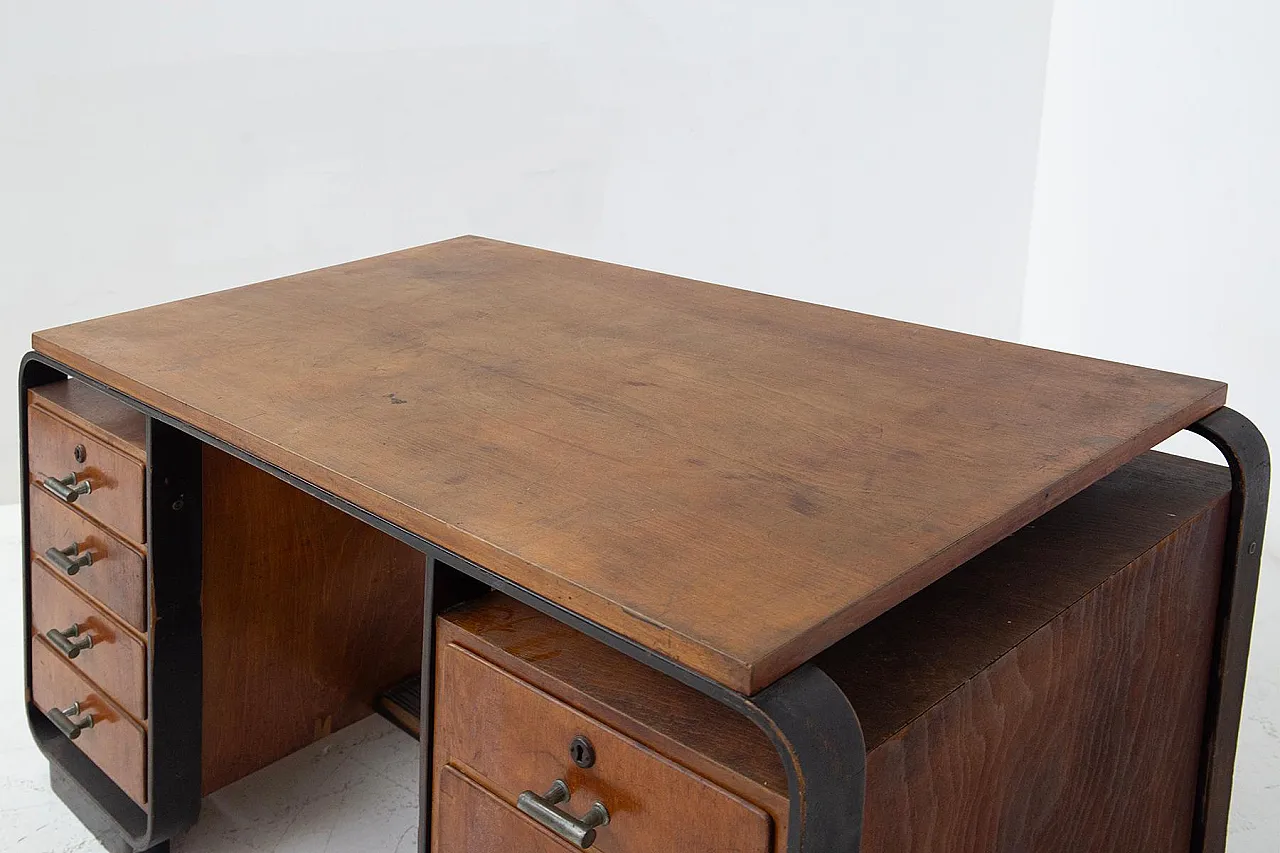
x=358, y=789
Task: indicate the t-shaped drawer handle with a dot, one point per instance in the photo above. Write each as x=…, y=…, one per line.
x=69, y=559
x=69, y=727
x=67, y=488
x=62, y=640
x=579, y=832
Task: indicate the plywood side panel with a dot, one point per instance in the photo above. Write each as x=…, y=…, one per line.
x=307, y=613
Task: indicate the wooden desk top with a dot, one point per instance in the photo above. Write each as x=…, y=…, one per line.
x=732, y=479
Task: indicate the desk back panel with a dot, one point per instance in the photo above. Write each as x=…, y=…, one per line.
x=307, y=613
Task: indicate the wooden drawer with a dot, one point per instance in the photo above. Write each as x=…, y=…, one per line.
x=116, y=661
x=496, y=727
x=117, y=575
x=55, y=450
x=475, y=821
x=115, y=743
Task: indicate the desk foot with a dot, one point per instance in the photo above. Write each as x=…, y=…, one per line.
x=95, y=820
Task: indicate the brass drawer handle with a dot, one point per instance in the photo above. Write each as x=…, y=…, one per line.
x=67, y=488
x=62, y=641
x=69, y=727
x=579, y=832
x=69, y=559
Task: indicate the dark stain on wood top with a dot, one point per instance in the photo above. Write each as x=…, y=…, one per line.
x=732, y=479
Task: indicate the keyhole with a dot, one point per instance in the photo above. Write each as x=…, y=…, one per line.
x=80, y=453
x=582, y=752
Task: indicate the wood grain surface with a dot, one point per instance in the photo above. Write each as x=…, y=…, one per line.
x=474, y=820
x=732, y=479
x=517, y=738
x=307, y=614
x=95, y=413
x=688, y=727
x=117, y=662
x=1100, y=755
x=1017, y=704
x=116, y=743
x=116, y=579
x=116, y=478
x=896, y=668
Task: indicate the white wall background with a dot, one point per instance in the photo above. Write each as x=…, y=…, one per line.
x=1156, y=233
x=873, y=155
x=1156, y=239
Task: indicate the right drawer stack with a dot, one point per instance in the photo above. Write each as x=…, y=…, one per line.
x=1048, y=695
x=87, y=574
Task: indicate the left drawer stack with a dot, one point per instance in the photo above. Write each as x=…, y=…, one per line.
x=90, y=617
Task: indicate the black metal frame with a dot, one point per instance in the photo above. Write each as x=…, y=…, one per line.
x=805, y=715
x=174, y=649
x=1247, y=455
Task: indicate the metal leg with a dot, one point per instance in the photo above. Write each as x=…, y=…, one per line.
x=1246, y=452
x=819, y=738
x=105, y=829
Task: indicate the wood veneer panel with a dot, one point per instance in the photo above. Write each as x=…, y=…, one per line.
x=732, y=479
x=1010, y=706
x=914, y=656
x=96, y=413
x=1087, y=736
x=501, y=729
x=307, y=612
x=117, y=479
x=115, y=743
x=117, y=661
x=663, y=714
x=117, y=578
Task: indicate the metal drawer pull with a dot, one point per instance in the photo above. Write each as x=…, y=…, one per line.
x=581, y=833
x=69, y=559
x=67, y=488
x=69, y=727
x=62, y=640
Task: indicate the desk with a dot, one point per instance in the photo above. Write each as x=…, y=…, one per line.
x=717, y=486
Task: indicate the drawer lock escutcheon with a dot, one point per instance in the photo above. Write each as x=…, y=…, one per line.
x=69, y=559
x=581, y=832
x=67, y=488
x=69, y=727
x=63, y=640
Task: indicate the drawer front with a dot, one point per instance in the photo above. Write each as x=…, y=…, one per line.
x=115, y=743
x=116, y=660
x=473, y=820
x=115, y=480
x=117, y=575
x=517, y=739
